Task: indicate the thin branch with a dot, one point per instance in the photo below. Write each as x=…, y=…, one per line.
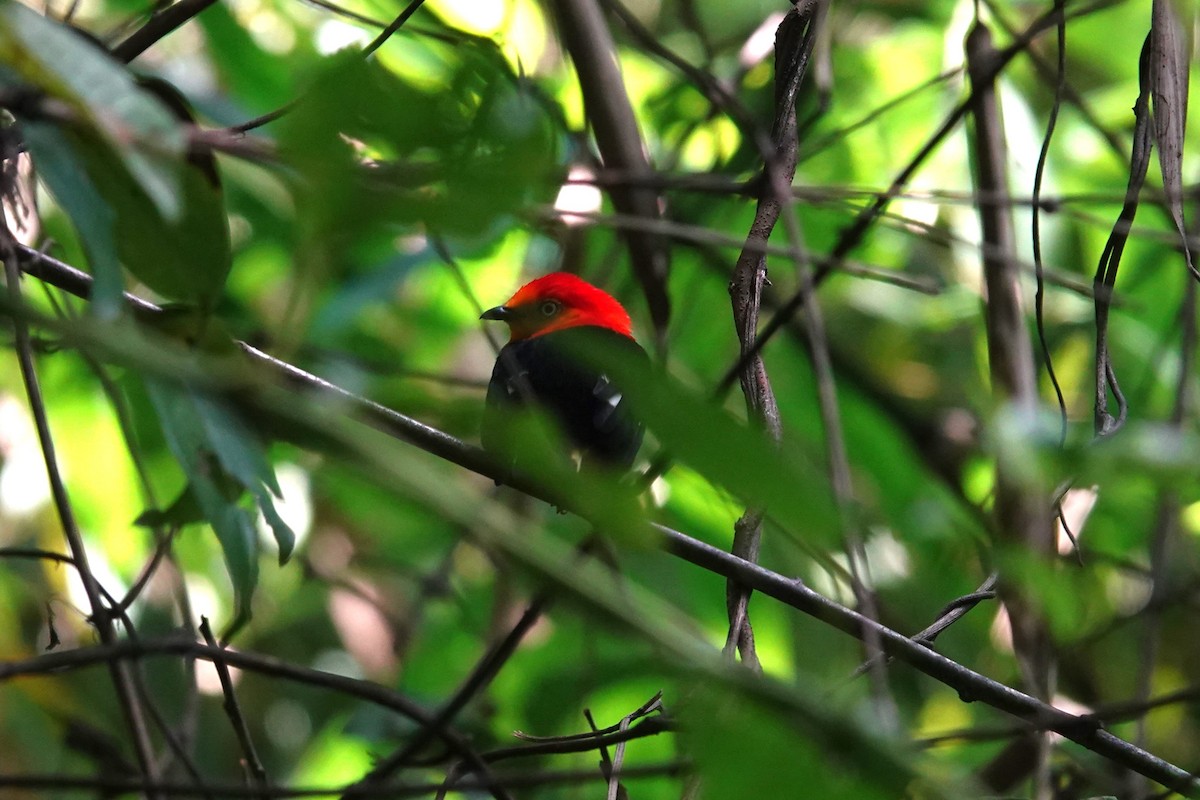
x=481, y=676
x=721, y=98
x=794, y=40
x=368, y=691
x=395, y=25
x=582, y=742
x=233, y=709
x=347, y=13
x=697, y=235
x=651, y=706
x=971, y=685
x=1022, y=508
x=1036, y=223
x=1110, y=258
x=836, y=455
x=158, y=27
x=952, y=613
x=121, y=675
x=825, y=142
x=161, y=549
x=36, y=553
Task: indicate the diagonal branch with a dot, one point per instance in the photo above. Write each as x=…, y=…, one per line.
x=158, y=27
x=258, y=773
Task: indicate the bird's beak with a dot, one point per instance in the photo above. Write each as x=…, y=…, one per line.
x=499, y=312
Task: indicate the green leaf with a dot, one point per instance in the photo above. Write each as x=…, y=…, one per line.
x=243, y=456
x=184, y=510
x=727, y=452
x=776, y=749
x=259, y=79
x=222, y=458
x=67, y=179
x=125, y=145
x=69, y=67
x=461, y=160
x=189, y=257
x=189, y=444
x=186, y=259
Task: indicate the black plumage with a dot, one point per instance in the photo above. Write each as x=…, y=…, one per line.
x=555, y=372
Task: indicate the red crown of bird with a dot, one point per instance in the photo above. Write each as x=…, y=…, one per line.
x=557, y=301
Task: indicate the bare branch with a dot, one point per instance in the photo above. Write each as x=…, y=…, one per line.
x=122, y=678
x=233, y=709
x=158, y=27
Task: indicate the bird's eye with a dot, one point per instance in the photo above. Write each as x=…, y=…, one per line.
x=550, y=307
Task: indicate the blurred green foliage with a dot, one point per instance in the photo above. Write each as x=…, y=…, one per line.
x=359, y=235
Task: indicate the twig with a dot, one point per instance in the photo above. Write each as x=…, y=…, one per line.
x=37, y=553
x=160, y=551
x=242, y=659
x=233, y=709
x=395, y=25
x=1168, y=82
x=820, y=145
x=953, y=612
x=581, y=742
x=175, y=746
x=1110, y=258
x=793, y=44
x=347, y=13
x=969, y=684
x=607, y=770
x=696, y=235
x=654, y=704
x=611, y=768
x=1036, y=223
x=157, y=27
x=838, y=461
x=101, y=618
x=1023, y=517
x=49, y=555
x=480, y=677
x=721, y=98
x=615, y=789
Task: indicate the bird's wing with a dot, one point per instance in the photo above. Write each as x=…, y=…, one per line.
x=609, y=397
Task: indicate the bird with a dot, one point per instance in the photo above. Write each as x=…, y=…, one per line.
x=553, y=321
